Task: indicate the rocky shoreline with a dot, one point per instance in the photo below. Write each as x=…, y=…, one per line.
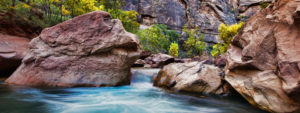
x=262, y=63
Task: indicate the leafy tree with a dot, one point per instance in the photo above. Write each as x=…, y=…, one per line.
x=57, y=11
x=157, y=38
x=194, y=46
x=226, y=34
x=7, y=5
x=173, y=51
x=152, y=39
x=172, y=35
x=79, y=7
x=128, y=18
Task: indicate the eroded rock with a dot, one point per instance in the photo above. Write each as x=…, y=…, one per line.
x=263, y=58
x=88, y=50
x=12, y=50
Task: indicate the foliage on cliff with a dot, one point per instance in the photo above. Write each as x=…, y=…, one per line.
x=46, y=13
x=194, y=45
x=128, y=18
x=158, y=38
x=173, y=51
x=226, y=34
x=264, y=4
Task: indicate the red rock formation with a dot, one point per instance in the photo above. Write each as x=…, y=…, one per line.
x=12, y=50
x=88, y=50
x=263, y=59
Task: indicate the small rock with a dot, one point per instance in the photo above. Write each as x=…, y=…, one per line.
x=139, y=63
x=159, y=60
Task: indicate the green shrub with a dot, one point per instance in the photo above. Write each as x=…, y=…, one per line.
x=226, y=34
x=56, y=11
x=157, y=39
x=173, y=51
x=217, y=50
x=128, y=18
x=200, y=46
x=172, y=35
x=152, y=39
x=194, y=46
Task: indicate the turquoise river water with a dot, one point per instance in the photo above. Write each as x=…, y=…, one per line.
x=139, y=97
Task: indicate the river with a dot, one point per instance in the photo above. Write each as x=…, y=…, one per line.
x=139, y=97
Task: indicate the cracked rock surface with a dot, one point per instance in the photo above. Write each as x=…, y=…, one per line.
x=88, y=50
x=263, y=59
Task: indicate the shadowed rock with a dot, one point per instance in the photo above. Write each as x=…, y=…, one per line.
x=88, y=50
x=12, y=50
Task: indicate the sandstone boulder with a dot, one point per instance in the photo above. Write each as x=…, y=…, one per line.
x=194, y=77
x=88, y=50
x=263, y=59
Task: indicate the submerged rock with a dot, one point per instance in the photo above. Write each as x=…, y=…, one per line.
x=263, y=59
x=88, y=50
x=194, y=77
x=12, y=50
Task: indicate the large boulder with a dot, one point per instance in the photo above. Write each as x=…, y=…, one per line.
x=196, y=77
x=88, y=50
x=263, y=59
x=12, y=50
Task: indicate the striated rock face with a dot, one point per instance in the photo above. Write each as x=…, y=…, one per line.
x=247, y=8
x=191, y=77
x=206, y=14
x=263, y=59
x=88, y=50
x=12, y=50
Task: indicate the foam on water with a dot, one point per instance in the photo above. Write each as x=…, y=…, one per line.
x=139, y=97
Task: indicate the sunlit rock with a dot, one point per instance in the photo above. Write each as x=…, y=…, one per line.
x=88, y=50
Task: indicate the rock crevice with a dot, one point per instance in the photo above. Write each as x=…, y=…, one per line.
x=263, y=59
